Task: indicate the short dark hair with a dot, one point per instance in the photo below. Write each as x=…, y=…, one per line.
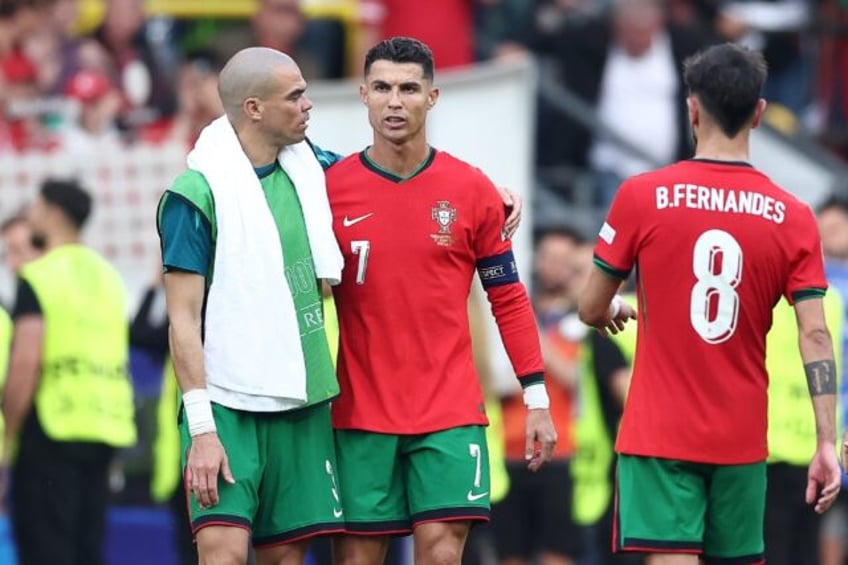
x=69, y=197
x=402, y=50
x=728, y=81
x=562, y=231
x=833, y=202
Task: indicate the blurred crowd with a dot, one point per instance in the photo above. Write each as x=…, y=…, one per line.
x=78, y=75
x=88, y=77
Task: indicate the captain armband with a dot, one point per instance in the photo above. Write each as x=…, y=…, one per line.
x=498, y=270
x=198, y=412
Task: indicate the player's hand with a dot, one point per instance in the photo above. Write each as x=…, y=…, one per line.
x=513, y=204
x=824, y=478
x=541, y=438
x=206, y=459
x=617, y=323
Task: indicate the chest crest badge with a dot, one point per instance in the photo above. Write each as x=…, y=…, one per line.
x=444, y=215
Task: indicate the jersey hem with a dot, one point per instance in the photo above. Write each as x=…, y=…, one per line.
x=760, y=457
x=609, y=269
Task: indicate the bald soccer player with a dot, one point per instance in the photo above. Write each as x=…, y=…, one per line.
x=246, y=237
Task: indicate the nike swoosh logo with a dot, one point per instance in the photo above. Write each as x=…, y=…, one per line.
x=337, y=513
x=472, y=497
x=347, y=222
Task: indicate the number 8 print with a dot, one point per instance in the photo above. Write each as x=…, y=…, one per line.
x=717, y=263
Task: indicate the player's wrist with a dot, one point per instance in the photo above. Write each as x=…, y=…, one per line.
x=615, y=307
x=198, y=412
x=536, y=397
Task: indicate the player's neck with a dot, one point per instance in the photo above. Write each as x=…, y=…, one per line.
x=61, y=237
x=718, y=147
x=258, y=150
x=399, y=159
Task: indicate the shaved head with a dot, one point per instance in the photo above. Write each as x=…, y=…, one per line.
x=251, y=72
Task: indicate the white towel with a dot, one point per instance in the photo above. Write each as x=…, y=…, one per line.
x=252, y=342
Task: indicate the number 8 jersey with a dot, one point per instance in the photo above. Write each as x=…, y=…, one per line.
x=715, y=245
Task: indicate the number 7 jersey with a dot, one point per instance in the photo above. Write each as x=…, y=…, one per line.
x=411, y=248
x=715, y=245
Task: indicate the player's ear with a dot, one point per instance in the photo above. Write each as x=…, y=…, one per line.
x=363, y=93
x=252, y=108
x=694, y=110
x=758, y=112
x=432, y=97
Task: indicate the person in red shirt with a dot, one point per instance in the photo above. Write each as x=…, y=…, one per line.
x=716, y=243
x=414, y=225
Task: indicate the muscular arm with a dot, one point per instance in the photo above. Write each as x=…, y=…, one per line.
x=24, y=364
x=816, y=348
x=184, y=295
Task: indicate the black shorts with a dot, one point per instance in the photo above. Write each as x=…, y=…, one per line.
x=535, y=516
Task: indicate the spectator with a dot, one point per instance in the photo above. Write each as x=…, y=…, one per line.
x=447, y=26
x=94, y=131
x=145, y=62
x=277, y=24
x=626, y=65
x=197, y=100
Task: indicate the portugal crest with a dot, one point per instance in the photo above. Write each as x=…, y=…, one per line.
x=444, y=215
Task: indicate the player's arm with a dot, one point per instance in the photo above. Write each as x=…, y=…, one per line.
x=24, y=362
x=805, y=289
x=615, y=254
x=598, y=305
x=816, y=346
x=516, y=323
x=186, y=257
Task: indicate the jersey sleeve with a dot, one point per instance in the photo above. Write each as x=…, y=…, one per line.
x=499, y=275
x=326, y=158
x=806, y=272
x=185, y=235
x=618, y=240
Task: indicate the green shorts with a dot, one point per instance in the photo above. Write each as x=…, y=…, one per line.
x=284, y=467
x=669, y=506
x=391, y=483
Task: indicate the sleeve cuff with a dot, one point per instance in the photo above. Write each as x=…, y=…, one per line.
x=610, y=270
x=531, y=379
x=807, y=294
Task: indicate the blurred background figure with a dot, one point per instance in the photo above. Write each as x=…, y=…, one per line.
x=792, y=530
x=94, y=129
x=19, y=245
x=534, y=520
x=833, y=225
x=68, y=398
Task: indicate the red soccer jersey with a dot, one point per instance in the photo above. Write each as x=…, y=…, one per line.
x=715, y=245
x=411, y=248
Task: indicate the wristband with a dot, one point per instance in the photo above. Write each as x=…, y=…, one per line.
x=198, y=412
x=536, y=397
x=614, y=307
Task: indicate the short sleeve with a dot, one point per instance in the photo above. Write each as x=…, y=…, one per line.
x=26, y=302
x=326, y=158
x=806, y=272
x=618, y=240
x=186, y=236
